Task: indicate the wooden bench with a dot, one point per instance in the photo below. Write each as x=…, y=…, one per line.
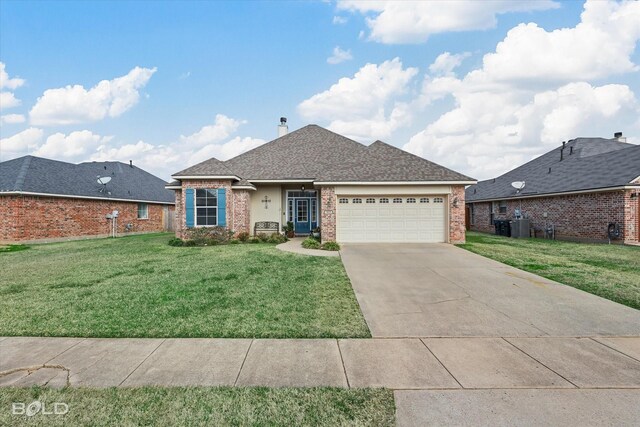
x=266, y=227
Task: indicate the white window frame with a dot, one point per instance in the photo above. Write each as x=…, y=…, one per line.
x=289, y=218
x=146, y=210
x=195, y=207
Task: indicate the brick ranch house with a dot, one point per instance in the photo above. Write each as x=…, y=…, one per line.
x=43, y=200
x=579, y=189
x=313, y=177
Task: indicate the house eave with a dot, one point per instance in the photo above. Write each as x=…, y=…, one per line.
x=221, y=177
x=277, y=181
x=73, y=196
x=564, y=193
x=395, y=182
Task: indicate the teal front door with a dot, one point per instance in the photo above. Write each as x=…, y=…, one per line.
x=301, y=216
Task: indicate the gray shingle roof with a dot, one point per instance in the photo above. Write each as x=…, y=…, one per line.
x=313, y=152
x=37, y=175
x=595, y=163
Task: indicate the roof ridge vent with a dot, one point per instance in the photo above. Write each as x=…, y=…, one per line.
x=22, y=175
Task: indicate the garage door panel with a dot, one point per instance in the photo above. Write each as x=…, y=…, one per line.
x=392, y=222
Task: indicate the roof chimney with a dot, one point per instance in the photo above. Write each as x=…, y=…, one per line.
x=283, y=129
x=619, y=137
x=130, y=163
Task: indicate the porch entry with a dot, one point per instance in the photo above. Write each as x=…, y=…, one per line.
x=302, y=210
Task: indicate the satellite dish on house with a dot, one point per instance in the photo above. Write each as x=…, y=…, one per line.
x=518, y=185
x=104, y=180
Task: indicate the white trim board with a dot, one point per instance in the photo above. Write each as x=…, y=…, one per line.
x=276, y=181
x=69, y=196
x=224, y=177
x=395, y=182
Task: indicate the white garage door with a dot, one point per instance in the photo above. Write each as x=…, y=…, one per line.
x=391, y=219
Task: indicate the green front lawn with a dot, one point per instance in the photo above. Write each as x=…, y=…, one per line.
x=151, y=406
x=138, y=286
x=609, y=271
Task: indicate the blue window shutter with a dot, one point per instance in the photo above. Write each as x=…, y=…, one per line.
x=222, y=207
x=188, y=207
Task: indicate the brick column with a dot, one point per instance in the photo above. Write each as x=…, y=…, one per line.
x=631, y=234
x=456, y=215
x=179, y=214
x=328, y=213
x=241, y=207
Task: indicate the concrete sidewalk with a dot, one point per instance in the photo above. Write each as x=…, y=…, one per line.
x=399, y=364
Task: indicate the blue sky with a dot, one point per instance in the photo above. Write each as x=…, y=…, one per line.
x=479, y=89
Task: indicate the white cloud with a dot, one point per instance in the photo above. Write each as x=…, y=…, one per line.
x=489, y=133
x=446, y=62
x=533, y=92
x=12, y=119
x=414, y=21
x=74, y=146
x=357, y=106
x=164, y=160
x=20, y=144
x=75, y=104
x=339, y=56
x=225, y=150
x=9, y=83
x=340, y=20
x=599, y=46
x=8, y=100
x=211, y=134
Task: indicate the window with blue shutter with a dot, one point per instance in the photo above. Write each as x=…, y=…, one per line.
x=188, y=207
x=222, y=207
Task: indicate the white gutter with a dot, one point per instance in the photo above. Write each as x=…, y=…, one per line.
x=205, y=177
x=566, y=193
x=174, y=187
x=264, y=181
x=69, y=196
x=243, y=187
x=395, y=182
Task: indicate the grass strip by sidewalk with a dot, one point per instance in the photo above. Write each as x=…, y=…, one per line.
x=202, y=406
x=609, y=271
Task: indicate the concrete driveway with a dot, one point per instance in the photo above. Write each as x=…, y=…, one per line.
x=439, y=290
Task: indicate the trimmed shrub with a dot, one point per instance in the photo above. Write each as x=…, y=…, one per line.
x=243, y=236
x=254, y=240
x=262, y=237
x=209, y=235
x=310, y=243
x=331, y=246
x=176, y=242
x=189, y=243
x=277, y=238
x=234, y=242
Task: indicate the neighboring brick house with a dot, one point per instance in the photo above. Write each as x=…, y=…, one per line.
x=44, y=200
x=316, y=178
x=578, y=190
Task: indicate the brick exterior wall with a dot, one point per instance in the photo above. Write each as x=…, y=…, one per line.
x=238, y=205
x=195, y=184
x=328, y=213
x=41, y=218
x=241, y=211
x=457, y=228
x=575, y=217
